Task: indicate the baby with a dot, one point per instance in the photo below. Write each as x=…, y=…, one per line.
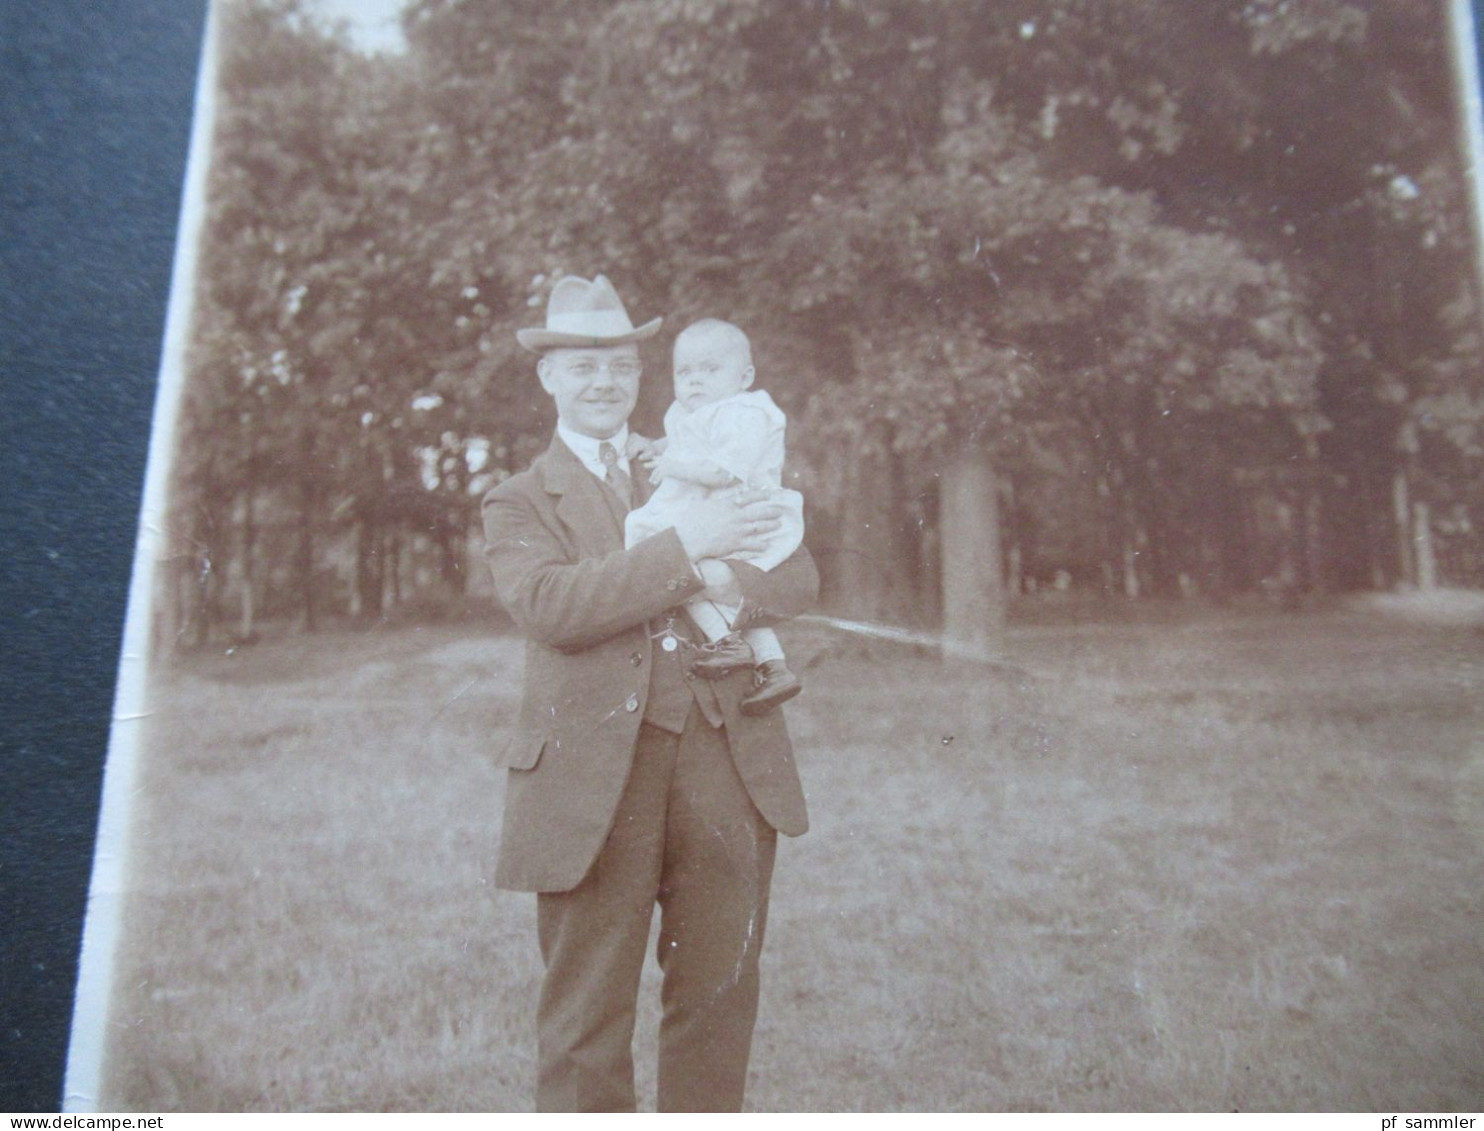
x=720, y=438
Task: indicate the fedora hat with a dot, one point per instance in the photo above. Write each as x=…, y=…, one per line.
x=580, y=313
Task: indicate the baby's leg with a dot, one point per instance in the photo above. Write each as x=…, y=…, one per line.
x=708, y=617
x=713, y=608
x=721, y=582
x=765, y=644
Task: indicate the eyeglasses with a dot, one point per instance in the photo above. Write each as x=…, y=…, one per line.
x=620, y=369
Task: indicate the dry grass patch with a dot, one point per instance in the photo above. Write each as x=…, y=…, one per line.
x=1231, y=863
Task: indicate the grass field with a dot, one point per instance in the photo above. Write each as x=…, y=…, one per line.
x=1219, y=862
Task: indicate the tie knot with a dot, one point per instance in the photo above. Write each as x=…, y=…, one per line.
x=616, y=477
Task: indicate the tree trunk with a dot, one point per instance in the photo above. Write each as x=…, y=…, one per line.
x=1402, y=513
x=201, y=566
x=1230, y=571
x=179, y=606
x=873, y=571
x=369, y=585
x=924, y=520
x=1313, y=580
x=1131, y=587
x=1156, y=529
x=1427, y=562
x=394, y=566
x=1284, y=585
x=1131, y=541
x=973, y=573
x=1110, y=531
x=450, y=556
x=1015, y=556
x=307, y=496
x=245, y=624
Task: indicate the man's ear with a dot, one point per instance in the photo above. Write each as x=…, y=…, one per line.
x=543, y=372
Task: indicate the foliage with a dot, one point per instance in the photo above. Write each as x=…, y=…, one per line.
x=1217, y=254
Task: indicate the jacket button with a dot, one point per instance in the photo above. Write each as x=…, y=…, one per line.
x=633, y=704
x=636, y=658
x=672, y=585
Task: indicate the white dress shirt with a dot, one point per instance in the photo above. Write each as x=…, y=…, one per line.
x=586, y=449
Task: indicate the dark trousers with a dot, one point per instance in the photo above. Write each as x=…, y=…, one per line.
x=688, y=837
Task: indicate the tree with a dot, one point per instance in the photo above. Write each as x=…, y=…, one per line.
x=1066, y=295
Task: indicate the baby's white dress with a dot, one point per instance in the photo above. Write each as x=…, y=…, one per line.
x=743, y=435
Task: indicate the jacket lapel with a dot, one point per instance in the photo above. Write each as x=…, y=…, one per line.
x=583, y=504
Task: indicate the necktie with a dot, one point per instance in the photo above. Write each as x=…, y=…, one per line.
x=617, y=477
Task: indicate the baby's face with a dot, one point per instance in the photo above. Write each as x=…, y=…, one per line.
x=708, y=368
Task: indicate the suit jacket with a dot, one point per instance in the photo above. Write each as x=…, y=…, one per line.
x=554, y=541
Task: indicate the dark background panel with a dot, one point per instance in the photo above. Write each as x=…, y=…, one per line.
x=95, y=105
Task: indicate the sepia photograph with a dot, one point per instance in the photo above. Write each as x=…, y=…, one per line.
x=845, y=555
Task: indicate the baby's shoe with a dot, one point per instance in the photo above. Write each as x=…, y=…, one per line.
x=773, y=684
x=723, y=657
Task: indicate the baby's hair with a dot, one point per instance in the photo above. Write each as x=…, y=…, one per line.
x=728, y=333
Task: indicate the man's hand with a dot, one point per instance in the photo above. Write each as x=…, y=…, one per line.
x=710, y=528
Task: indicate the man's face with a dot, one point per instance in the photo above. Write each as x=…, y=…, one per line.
x=594, y=389
x=709, y=367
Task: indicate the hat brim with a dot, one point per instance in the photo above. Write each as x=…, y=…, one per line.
x=539, y=338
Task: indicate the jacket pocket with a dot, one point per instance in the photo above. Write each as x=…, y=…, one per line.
x=524, y=751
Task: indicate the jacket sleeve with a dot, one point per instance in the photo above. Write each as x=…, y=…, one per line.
x=569, y=602
x=778, y=594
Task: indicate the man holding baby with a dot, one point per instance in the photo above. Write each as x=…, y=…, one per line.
x=636, y=777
